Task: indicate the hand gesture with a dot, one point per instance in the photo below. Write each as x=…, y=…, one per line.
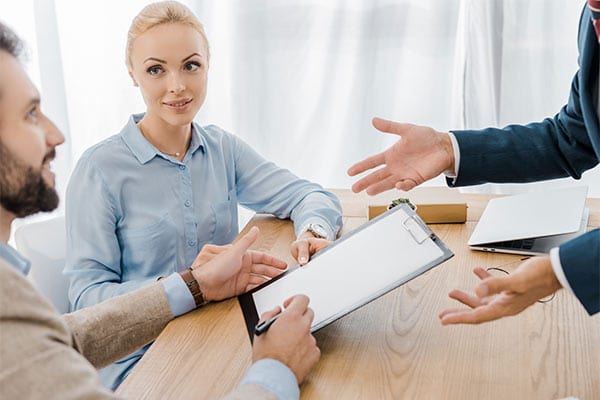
x=207, y=253
x=498, y=297
x=420, y=154
x=237, y=269
x=289, y=339
x=306, y=245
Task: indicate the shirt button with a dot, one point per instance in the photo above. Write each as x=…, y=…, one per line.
x=191, y=243
x=188, y=203
x=182, y=167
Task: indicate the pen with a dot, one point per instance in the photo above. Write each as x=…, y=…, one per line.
x=263, y=326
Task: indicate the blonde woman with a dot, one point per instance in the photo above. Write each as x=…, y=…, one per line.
x=142, y=203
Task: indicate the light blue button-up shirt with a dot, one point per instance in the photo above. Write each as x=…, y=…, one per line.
x=14, y=258
x=268, y=373
x=134, y=214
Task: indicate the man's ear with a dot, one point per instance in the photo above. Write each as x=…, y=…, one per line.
x=133, y=79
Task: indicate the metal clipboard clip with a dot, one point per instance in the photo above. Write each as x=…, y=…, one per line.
x=417, y=229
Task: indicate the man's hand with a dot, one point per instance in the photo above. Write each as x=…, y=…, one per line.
x=498, y=297
x=207, y=253
x=421, y=154
x=306, y=245
x=289, y=339
x=237, y=269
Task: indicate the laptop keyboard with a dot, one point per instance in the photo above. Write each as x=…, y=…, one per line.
x=524, y=244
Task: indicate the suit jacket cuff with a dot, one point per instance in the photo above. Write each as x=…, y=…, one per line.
x=580, y=260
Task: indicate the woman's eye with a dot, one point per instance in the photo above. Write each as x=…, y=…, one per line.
x=191, y=66
x=33, y=113
x=154, y=70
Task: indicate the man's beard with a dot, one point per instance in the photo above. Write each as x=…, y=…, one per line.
x=23, y=190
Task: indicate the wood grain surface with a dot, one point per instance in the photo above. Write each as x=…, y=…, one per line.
x=394, y=347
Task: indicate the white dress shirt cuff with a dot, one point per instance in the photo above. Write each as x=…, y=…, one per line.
x=179, y=296
x=558, y=270
x=456, y=150
x=275, y=377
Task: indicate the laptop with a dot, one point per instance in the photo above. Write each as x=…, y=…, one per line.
x=531, y=223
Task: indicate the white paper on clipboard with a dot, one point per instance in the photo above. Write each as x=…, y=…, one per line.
x=358, y=268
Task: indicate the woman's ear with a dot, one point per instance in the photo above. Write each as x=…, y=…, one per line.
x=133, y=79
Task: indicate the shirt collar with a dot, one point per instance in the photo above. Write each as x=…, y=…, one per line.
x=144, y=151
x=14, y=258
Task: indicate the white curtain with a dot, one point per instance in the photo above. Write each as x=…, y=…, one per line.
x=300, y=80
x=519, y=60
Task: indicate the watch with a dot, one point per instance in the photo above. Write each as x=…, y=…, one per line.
x=317, y=230
x=193, y=286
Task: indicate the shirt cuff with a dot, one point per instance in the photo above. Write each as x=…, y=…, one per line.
x=179, y=296
x=275, y=377
x=558, y=270
x=318, y=221
x=456, y=150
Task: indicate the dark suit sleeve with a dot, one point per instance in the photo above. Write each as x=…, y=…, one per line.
x=554, y=148
x=566, y=145
x=580, y=260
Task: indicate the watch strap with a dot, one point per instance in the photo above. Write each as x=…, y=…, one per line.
x=193, y=286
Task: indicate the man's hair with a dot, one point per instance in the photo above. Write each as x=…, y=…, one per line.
x=10, y=42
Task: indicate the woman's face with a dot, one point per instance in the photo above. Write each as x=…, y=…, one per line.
x=169, y=63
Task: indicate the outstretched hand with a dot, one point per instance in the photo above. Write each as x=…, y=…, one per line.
x=237, y=269
x=498, y=297
x=420, y=154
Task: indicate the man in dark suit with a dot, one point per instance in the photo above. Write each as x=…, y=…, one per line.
x=566, y=145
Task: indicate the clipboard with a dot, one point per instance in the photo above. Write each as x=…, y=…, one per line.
x=356, y=269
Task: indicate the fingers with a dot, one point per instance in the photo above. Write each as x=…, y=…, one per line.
x=406, y=185
x=270, y=314
x=266, y=270
x=215, y=249
x=316, y=245
x=382, y=185
x=494, y=285
x=366, y=164
x=387, y=126
x=247, y=240
x=481, y=273
x=465, y=298
x=302, y=249
x=255, y=280
x=381, y=175
x=298, y=303
x=450, y=311
x=474, y=316
x=309, y=315
x=259, y=257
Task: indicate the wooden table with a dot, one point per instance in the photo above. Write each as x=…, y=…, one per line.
x=394, y=347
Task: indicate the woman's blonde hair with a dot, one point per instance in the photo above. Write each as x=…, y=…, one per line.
x=164, y=12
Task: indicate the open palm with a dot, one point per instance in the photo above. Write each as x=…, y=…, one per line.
x=421, y=154
x=498, y=297
x=237, y=269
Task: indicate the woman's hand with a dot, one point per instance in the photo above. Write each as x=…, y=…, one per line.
x=306, y=245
